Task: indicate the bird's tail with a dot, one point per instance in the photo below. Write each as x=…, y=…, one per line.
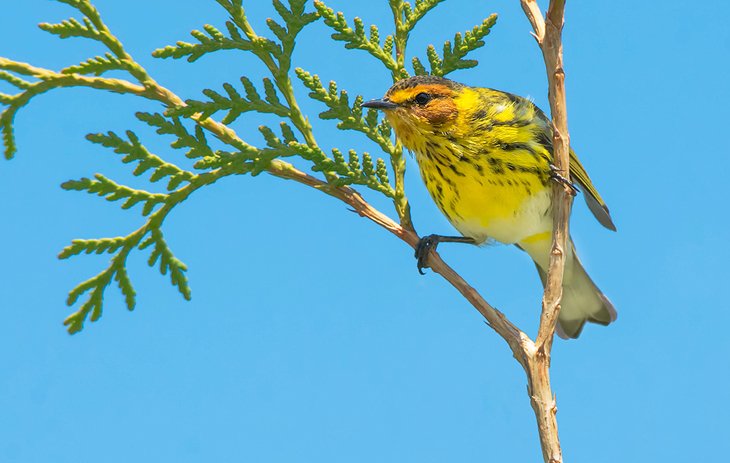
x=582, y=300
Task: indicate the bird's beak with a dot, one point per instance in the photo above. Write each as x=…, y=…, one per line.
x=379, y=104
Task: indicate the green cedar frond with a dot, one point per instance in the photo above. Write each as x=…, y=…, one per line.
x=97, y=284
x=288, y=133
x=112, y=191
x=434, y=60
x=271, y=139
x=196, y=144
x=351, y=172
x=17, y=101
x=86, y=8
x=234, y=103
x=354, y=162
x=134, y=151
x=356, y=38
x=93, y=27
x=242, y=161
x=289, y=146
x=418, y=68
x=355, y=172
x=125, y=286
x=214, y=41
x=350, y=117
x=49, y=80
x=93, y=305
x=453, y=55
x=388, y=45
x=98, y=246
x=422, y=7
x=15, y=80
x=381, y=172
x=295, y=20
x=8, y=116
x=116, y=270
x=73, y=28
x=97, y=65
x=279, y=31
x=6, y=126
x=168, y=262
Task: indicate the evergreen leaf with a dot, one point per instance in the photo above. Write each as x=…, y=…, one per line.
x=168, y=263
x=418, y=68
x=214, y=41
x=72, y=28
x=125, y=286
x=350, y=116
x=196, y=143
x=134, y=151
x=6, y=126
x=96, y=285
x=415, y=15
x=112, y=191
x=15, y=81
x=97, y=65
x=98, y=246
x=356, y=38
x=454, y=54
x=234, y=103
x=354, y=172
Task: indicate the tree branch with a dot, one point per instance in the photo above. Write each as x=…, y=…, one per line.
x=496, y=319
x=548, y=33
x=552, y=49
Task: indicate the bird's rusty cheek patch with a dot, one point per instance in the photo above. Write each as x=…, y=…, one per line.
x=438, y=112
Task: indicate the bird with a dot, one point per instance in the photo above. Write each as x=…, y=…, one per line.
x=486, y=158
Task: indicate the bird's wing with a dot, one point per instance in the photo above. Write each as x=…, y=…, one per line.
x=577, y=172
x=593, y=199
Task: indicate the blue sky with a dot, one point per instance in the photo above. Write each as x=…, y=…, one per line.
x=310, y=336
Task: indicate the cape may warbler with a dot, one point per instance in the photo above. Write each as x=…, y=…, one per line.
x=486, y=159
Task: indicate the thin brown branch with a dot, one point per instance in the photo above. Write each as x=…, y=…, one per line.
x=548, y=33
x=496, y=319
x=532, y=11
x=552, y=48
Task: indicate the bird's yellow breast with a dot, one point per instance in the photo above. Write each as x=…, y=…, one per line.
x=487, y=197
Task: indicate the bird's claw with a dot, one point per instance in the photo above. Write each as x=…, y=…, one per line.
x=558, y=177
x=429, y=243
x=425, y=245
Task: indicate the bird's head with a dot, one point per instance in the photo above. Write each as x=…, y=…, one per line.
x=419, y=105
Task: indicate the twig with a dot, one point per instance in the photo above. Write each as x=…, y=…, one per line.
x=547, y=31
x=496, y=319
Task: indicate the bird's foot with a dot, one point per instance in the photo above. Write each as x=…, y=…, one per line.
x=558, y=177
x=429, y=243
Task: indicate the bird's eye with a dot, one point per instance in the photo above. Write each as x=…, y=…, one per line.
x=422, y=98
